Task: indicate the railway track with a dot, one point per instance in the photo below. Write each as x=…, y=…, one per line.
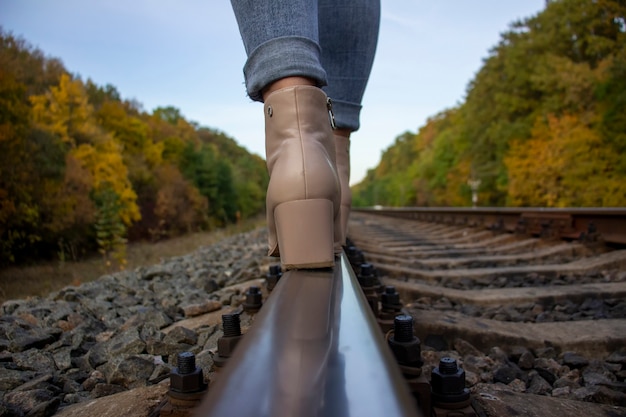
x=544, y=315
x=526, y=291
x=516, y=323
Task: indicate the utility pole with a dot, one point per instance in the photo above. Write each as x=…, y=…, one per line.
x=474, y=184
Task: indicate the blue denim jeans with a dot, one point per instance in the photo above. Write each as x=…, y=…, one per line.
x=330, y=41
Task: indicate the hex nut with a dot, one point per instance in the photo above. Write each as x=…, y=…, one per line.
x=187, y=383
x=226, y=345
x=407, y=353
x=254, y=300
x=448, y=384
x=390, y=299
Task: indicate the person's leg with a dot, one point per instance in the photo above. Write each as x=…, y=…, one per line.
x=281, y=39
x=283, y=70
x=348, y=31
x=348, y=35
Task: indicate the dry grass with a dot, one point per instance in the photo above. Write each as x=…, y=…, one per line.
x=40, y=280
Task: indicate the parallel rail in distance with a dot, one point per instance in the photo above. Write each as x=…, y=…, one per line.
x=568, y=223
x=314, y=349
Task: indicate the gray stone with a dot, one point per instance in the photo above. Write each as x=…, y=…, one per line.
x=562, y=392
x=132, y=371
x=478, y=364
x=147, y=315
x=498, y=355
x=547, y=368
x=103, y=390
x=539, y=386
x=465, y=348
x=42, y=382
x=506, y=374
x=526, y=360
x=10, y=410
x=571, y=380
x=181, y=334
x=30, y=402
x=21, y=335
x=34, y=360
x=547, y=375
x=617, y=357
x=605, y=395
x=547, y=353
x=126, y=343
x=595, y=378
x=516, y=352
x=155, y=271
x=517, y=385
x=11, y=378
x=94, y=379
x=62, y=358
x=574, y=360
x=156, y=347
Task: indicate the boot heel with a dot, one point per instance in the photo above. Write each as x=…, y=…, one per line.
x=305, y=232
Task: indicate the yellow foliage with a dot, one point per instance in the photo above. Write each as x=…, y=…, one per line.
x=65, y=111
x=104, y=162
x=153, y=153
x=128, y=130
x=457, y=179
x=564, y=164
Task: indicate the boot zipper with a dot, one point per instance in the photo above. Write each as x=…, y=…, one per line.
x=331, y=115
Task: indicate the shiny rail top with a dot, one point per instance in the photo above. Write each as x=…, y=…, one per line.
x=314, y=349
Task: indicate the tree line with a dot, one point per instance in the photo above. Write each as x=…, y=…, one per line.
x=83, y=170
x=543, y=122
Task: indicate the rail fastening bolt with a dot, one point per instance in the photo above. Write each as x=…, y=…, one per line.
x=227, y=343
x=186, y=363
x=231, y=324
x=367, y=275
x=406, y=347
x=448, y=382
x=355, y=257
x=273, y=275
x=254, y=300
x=390, y=299
x=187, y=378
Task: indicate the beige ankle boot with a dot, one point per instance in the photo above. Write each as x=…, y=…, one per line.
x=342, y=156
x=303, y=195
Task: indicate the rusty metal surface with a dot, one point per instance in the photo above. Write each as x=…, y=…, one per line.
x=315, y=349
x=608, y=223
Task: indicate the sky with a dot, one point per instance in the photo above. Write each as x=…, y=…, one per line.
x=188, y=54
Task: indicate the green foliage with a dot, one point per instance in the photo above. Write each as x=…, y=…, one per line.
x=19, y=211
x=567, y=64
x=110, y=229
x=611, y=94
x=245, y=196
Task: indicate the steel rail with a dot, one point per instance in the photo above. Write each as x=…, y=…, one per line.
x=314, y=350
x=607, y=224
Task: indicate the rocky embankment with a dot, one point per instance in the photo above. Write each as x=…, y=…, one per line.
x=123, y=332
x=116, y=333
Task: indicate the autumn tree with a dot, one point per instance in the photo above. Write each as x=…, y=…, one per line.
x=80, y=166
x=564, y=164
x=19, y=211
x=64, y=111
x=556, y=77
x=180, y=208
